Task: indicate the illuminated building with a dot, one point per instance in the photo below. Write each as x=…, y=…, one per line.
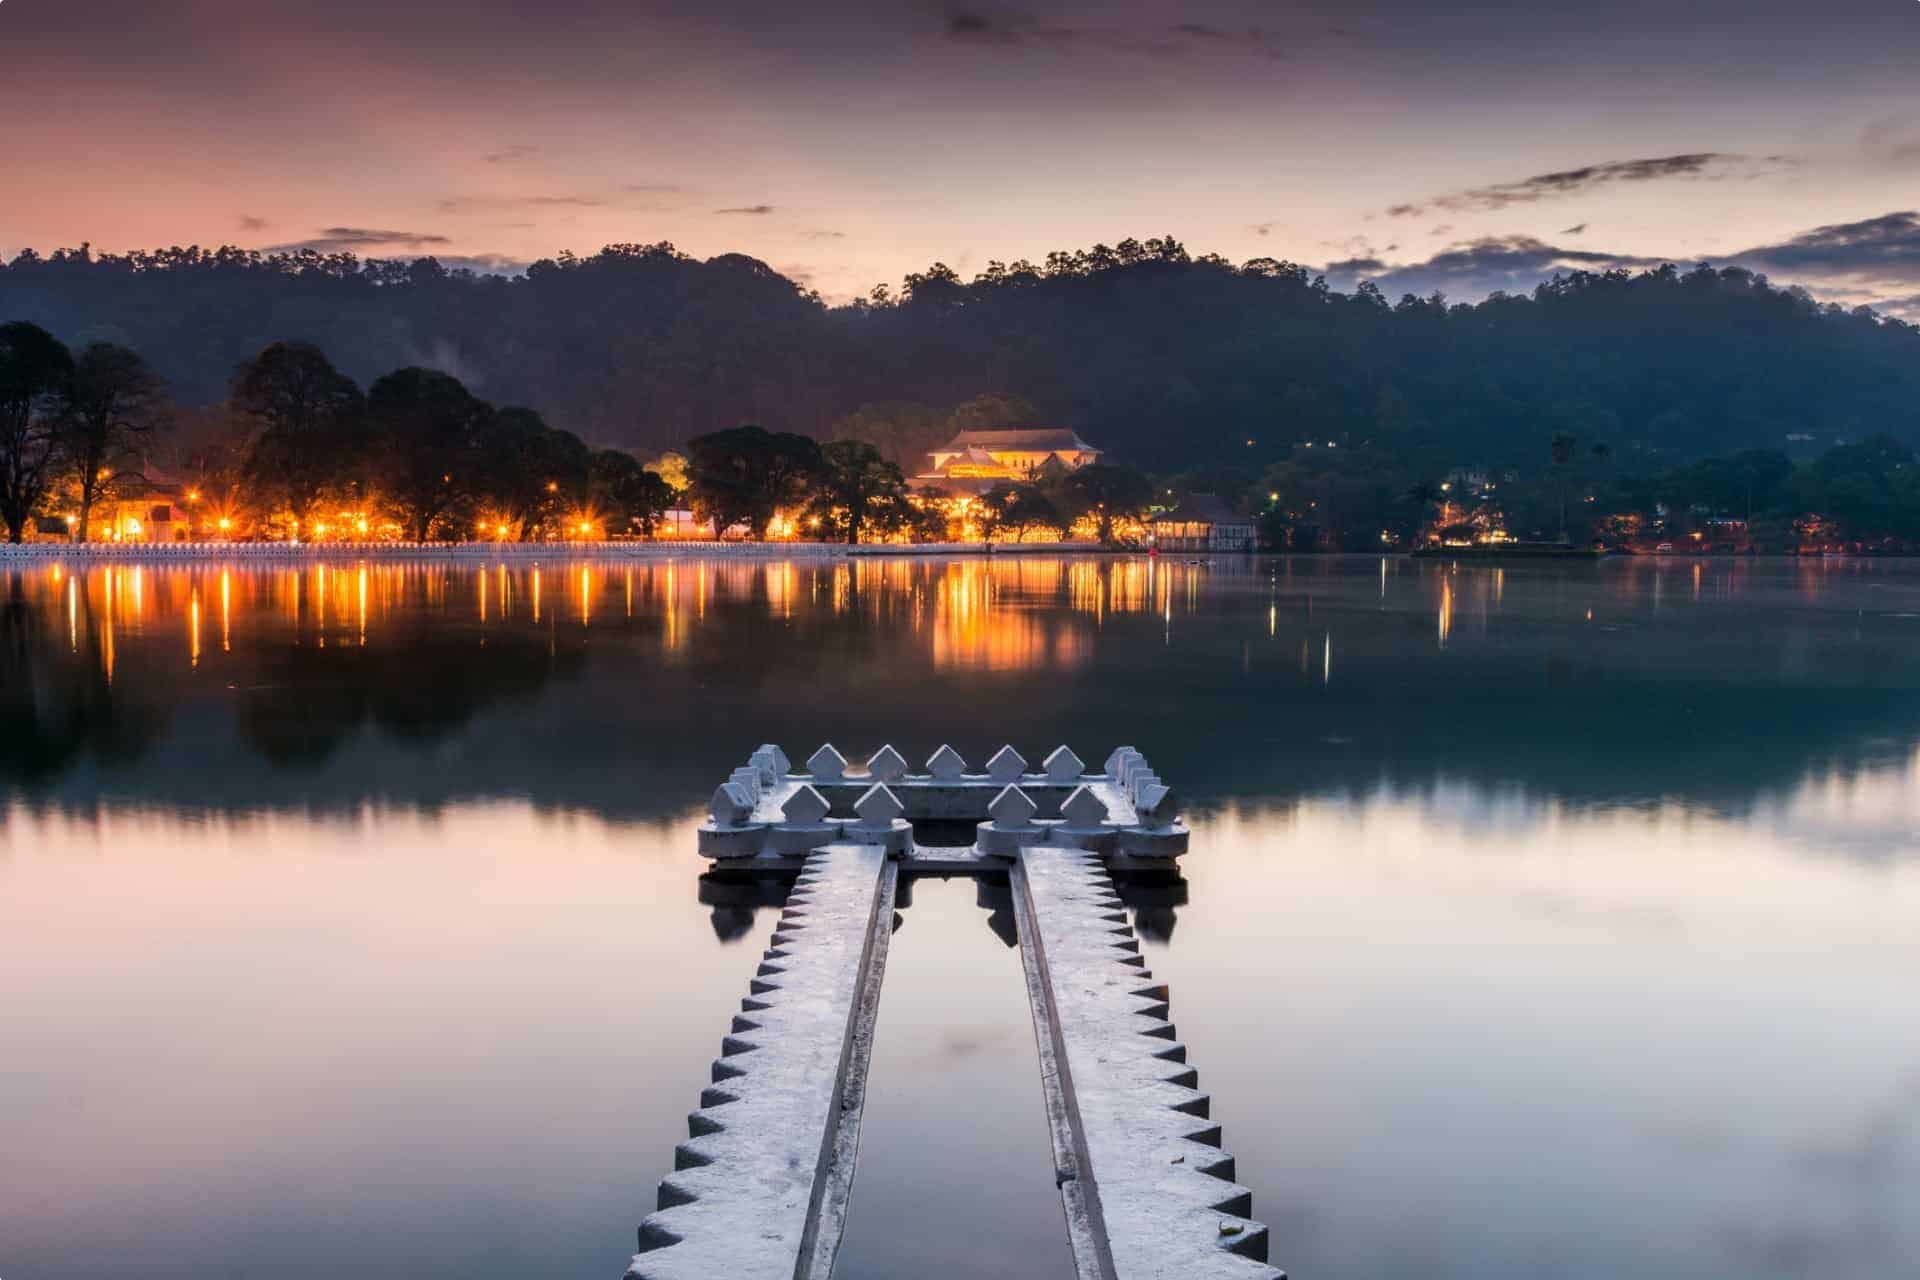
x=975, y=461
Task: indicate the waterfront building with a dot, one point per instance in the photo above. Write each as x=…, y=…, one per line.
x=1202, y=522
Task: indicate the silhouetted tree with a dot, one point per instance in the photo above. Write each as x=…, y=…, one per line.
x=1107, y=492
x=530, y=473
x=626, y=493
x=110, y=410
x=429, y=433
x=746, y=474
x=854, y=484
x=34, y=368
x=306, y=418
x=1017, y=509
x=1562, y=451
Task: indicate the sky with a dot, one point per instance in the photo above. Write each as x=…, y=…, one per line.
x=1462, y=146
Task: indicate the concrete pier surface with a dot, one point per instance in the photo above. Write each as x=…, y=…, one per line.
x=1148, y=1192
x=759, y=1190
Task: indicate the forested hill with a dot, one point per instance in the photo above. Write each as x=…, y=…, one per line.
x=1166, y=360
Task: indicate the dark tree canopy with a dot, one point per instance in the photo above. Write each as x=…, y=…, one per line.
x=35, y=370
x=112, y=407
x=1165, y=360
x=857, y=489
x=307, y=420
x=746, y=474
x=429, y=434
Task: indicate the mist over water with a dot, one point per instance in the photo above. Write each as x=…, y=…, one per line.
x=1549, y=920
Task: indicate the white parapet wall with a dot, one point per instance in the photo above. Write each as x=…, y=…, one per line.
x=768, y=810
x=516, y=551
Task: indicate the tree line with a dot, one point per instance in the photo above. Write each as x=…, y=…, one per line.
x=1159, y=356
x=298, y=449
x=296, y=442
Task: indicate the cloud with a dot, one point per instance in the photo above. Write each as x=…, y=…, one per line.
x=250, y=223
x=355, y=239
x=469, y=204
x=1874, y=262
x=511, y=155
x=1014, y=29
x=486, y=264
x=823, y=235
x=1578, y=228
x=1567, y=182
x=1907, y=308
x=1884, y=251
x=1264, y=228
x=751, y=210
x=1251, y=39
x=1893, y=140
x=1476, y=268
x=1358, y=267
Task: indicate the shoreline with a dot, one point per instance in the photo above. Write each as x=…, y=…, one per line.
x=284, y=552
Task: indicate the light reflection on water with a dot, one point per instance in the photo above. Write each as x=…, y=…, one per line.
x=1540, y=921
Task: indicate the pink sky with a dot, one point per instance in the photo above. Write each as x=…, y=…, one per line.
x=847, y=144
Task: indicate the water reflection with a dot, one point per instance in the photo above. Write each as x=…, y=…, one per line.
x=1520, y=899
x=326, y=682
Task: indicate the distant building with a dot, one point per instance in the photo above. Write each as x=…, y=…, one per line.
x=975, y=461
x=1202, y=522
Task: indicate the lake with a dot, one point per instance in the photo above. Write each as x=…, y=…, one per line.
x=1554, y=920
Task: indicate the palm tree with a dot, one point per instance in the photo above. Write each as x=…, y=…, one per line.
x=1563, y=444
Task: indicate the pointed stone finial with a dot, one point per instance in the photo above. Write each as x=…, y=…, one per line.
x=768, y=765
x=1084, y=809
x=1139, y=778
x=806, y=808
x=946, y=765
x=781, y=763
x=1007, y=765
x=751, y=779
x=1113, y=760
x=731, y=806
x=878, y=807
x=827, y=765
x=1063, y=766
x=1156, y=803
x=1125, y=762
x=887, y=765
x=1012, y=808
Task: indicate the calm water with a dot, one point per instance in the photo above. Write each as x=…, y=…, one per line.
x=1548, y=922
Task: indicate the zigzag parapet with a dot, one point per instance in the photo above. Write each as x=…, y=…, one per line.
x=759, y=1189
x=1148, y=1191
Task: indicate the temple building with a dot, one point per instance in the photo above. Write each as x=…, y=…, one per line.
x=976, y=460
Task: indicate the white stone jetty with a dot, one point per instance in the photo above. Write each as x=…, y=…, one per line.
x=761, y=1187
x=1148, y=1192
